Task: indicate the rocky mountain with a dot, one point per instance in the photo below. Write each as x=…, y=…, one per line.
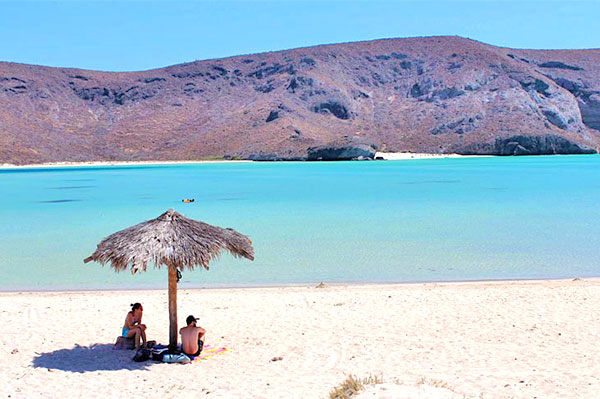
x=433, y=94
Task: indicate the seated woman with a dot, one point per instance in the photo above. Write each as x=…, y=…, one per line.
x=133, y=325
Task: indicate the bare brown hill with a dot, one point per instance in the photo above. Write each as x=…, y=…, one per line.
x=434, y=95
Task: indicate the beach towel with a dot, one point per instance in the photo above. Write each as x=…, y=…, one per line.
x=210, y=351
x=158, y=352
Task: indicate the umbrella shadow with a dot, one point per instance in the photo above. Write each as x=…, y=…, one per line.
x=84, y=359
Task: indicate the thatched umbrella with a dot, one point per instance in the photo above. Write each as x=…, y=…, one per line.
x=174, y=241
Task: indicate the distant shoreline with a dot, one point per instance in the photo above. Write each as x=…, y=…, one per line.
x=400, y=156
x=387, y=156
x=298, y=285
x=112, y=163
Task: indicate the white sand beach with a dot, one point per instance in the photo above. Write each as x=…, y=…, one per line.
x=115, y=163
x=388, y=156
x=515, y=339
x=401, y=156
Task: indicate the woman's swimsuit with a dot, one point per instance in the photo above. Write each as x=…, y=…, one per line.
x=126, y=330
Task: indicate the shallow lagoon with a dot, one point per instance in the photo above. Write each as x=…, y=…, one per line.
x=392, y=221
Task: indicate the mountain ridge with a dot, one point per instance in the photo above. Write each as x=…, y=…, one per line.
x=437, y=94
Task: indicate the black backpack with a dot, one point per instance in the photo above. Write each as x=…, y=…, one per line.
x=141, y=355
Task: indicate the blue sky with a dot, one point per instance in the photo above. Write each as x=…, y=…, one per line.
x=136, y=35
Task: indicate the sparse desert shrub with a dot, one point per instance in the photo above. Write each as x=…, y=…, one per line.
x=352, y=386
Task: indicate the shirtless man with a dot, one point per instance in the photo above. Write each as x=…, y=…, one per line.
x=192, y=337
x=133, y=327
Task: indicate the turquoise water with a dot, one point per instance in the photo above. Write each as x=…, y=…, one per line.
x=394, y=221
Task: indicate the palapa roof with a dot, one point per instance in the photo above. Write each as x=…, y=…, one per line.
x=170, y=239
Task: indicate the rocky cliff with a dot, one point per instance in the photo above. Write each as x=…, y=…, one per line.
x=434, y=95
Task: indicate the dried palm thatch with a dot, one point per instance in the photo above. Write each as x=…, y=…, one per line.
x=170, y=239
x=174, y=241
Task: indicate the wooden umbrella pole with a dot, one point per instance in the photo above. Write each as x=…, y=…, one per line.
x=172, y=307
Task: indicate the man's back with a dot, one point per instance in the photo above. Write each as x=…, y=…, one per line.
x=190, y=336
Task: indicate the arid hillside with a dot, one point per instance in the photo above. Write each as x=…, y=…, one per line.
x=434, y=95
